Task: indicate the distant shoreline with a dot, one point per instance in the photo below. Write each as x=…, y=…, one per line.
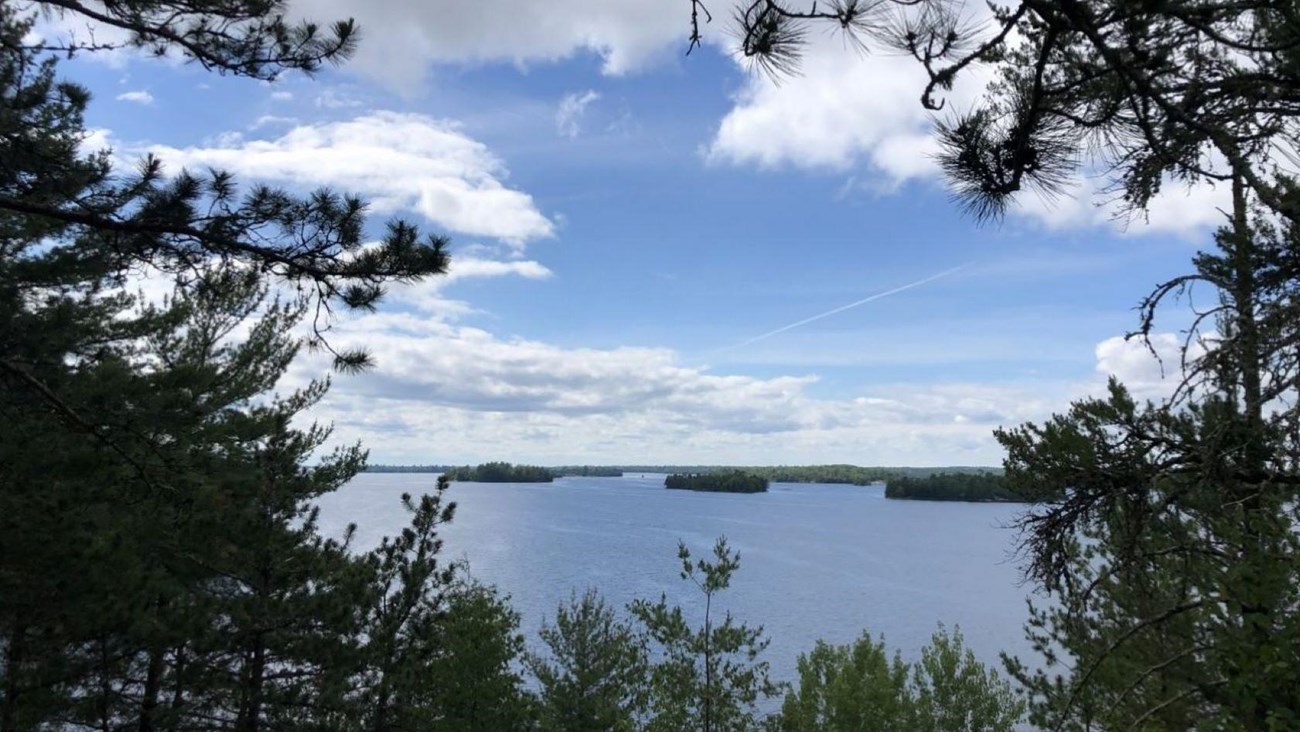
x=838, y=473
x=966, y=484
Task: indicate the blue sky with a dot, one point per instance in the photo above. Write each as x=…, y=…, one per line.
x=624, y=218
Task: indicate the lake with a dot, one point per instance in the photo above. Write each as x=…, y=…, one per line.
x=817, y=561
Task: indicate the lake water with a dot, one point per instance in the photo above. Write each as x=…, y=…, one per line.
x=817, y=561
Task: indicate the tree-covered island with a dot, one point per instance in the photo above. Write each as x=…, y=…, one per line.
x=721, y=481
x=501, y=472
x=953, y=487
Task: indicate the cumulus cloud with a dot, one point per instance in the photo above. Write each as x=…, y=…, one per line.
x=403, y=38
x=471, y=268
x=136, y=97
x=568, y=117
x=1178, y=208
x=861, y=114
x=401, y=162
x=1152, y=369
x=842, y=110
x=526, y=397
x=447, y=390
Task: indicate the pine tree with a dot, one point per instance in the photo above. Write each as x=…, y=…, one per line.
x=1171, y=549
x=407, y=602
x=1173, y=552
x=707, y=678
x=594, y=675
x=159, y=566
x=860, y=687
x=474, y=682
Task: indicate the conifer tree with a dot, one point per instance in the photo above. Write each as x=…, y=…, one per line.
x=594, y=675
x=860, y=687
x=707, y=678
x=159, y=563
x=1171, y=550
x=408, y=599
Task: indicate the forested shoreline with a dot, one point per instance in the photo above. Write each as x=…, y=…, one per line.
x=953, y=487
x=500, y=472
x=830, y=474
x=722, y=481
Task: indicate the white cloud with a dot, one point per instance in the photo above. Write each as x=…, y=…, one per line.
x=469, y=394
x=282, y=96
x=568, y=116
x=136, y=97
x=401, y=162
x=1152, y=369
x=842, y=110
x=861, y=113
x=444, y=390
x=267, y=120
x=401, y=39
x=470, y=268
x=1178, y=208
x=96, y=139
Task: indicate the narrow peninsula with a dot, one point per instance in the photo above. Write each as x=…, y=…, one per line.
x=722, y=481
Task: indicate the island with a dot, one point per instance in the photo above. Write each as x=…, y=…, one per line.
x=953, y=487
x=587, y=471
x=499, y=472
x=838, y=473
x=721, y=481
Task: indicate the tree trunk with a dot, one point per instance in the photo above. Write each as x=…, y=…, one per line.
x=381, y=708
x=708, y=665
x=178, y=687
x=1253, y=603
x=14, y=657
x=152, y=685
x=250, y=713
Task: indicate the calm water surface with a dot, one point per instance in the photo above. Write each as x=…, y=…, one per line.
x=817, y=561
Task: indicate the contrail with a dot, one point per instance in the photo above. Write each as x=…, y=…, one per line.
x=850, y=306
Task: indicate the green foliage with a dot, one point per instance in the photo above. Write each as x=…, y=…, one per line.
x=473, y=682
x=953, y=487
x=406, y=601
x=722, y=481
x=1175, y=604
x=851, y=474
x=243, y=37
x=954, y=691
x=593, y=677
x=858, y=687
x=709, y=677
x=160, y=563
x=1172, y=554
x=500, y=472
x=1168, y=540
x=1143, y=92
